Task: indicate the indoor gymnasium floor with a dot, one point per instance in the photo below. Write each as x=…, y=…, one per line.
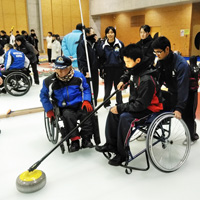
x=83, y=175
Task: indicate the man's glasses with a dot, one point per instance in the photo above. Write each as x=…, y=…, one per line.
x=157, y=52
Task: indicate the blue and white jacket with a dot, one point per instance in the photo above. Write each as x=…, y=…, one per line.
x=66, y=94
x=14, y=59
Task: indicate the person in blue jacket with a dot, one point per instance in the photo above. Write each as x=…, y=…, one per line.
x=12, y=60
x=69, y=44
x=174, y=73
x=112, y=63
x=70, y=91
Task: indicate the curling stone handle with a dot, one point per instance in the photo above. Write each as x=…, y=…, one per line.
x=34, y=166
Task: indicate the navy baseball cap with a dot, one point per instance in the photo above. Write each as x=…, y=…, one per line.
x=62, y=62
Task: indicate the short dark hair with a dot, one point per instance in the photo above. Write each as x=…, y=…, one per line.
x=161, y=43
x=22, y=32
x=20, y=38
x=132, y=51
x=110, y=28
x=32, y=30
x=79, y=27
x=146, y=28
x=2, y=31
x=50, y=33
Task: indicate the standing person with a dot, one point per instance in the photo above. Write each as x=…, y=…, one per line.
x=143, y=101
x=55, y=48
x=36, y=41
x=69, y=44
x=113, y=63
x=17, y=34
x=145, y=43
x=27, y=37
x=25, y=47
x=49, y=46
x=92, y=45
x=12, y=38
x=71, y=93
x=4, y=38
x=174, y=73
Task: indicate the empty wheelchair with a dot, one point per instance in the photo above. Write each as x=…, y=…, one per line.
x=55, y=127
x=167, y=143
x=17, y=82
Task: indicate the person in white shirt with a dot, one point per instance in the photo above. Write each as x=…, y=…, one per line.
x=49, y=45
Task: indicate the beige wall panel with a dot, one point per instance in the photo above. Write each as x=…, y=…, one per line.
x=8, y=6
x=20, y=7
x=66, y=2
x=1, y=16
x=22, y=23
x=63, y=14
x=9, y=21
x=57, y=9
x=56, y=2
x=58, y=25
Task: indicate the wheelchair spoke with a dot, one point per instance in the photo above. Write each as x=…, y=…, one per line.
x=165, y=143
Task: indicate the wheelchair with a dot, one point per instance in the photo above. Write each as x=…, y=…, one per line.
x=164, y=146
x=17, y=82
x=55, y=126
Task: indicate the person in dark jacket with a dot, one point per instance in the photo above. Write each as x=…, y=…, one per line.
x=27, y=37
x=93, y=46
x=174, y=73
x=145, y=98
x=36, y=41
x=145, y=43
x=25, y=47
x=71, y=93
x=4, y=38
x=113, y=65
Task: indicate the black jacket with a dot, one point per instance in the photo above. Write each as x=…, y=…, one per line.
x=144, y=89
x=92, y=54
x=28, y=50
x=174, y=73
x=147, y=49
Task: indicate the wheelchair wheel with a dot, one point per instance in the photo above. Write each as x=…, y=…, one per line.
x=165, y=138
x=52, y=129
x=17, y=83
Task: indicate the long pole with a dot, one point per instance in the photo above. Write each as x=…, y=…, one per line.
x=86, y=52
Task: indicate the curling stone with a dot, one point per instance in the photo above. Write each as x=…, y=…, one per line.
x=29, y=182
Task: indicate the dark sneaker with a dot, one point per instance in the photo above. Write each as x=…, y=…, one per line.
x=3, y=91
x=86, y=143
x=117, y=160
x=75, y=146
x=105, y=148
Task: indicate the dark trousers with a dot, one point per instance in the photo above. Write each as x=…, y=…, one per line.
x=119, y=127
x=35, y=72
x=112, y=75
x=95, y=84
x=189, y=113
x=70, y=117
x=49, y=55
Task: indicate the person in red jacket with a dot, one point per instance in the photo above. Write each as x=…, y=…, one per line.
x=145, y=98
